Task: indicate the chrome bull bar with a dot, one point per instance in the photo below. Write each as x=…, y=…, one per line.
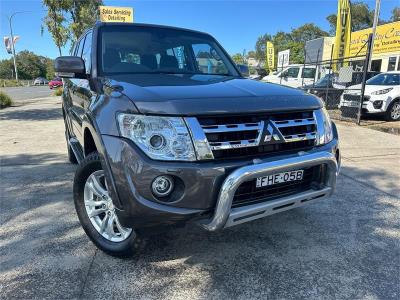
x=226, y=216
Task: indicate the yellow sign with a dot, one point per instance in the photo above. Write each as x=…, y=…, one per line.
x=116, y=14
x=270, y=53
x=387, y=39
x=343, y=29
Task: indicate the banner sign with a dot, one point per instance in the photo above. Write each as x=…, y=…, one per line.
x=116, y=14
x=7, y=43
x=270, y=53
x=343, y=29
x=387, y=39
x=283, y=59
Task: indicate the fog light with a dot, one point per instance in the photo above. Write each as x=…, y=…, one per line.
x=378, y=104
x=162, y=185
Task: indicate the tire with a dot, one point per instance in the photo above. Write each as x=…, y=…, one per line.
x=103, y=227
x=393, y=111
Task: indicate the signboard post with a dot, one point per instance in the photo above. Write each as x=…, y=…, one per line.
x=116, y=14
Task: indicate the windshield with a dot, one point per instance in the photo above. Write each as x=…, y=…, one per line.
x=146, y=50
x=384, y=79
x=324, y=80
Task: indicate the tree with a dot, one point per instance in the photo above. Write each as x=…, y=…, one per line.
x=68, y=19
x=294, y=40
x=361, y=17
x=83, y=14
x=6, y=69
x=50, y=72
x=395, y=14
x=251, y=54
x=260, y=46
x=238, y=58
x=307, y=32
x=54, y=21
x=30, y=65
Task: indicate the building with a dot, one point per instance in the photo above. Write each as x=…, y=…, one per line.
x=385, y=55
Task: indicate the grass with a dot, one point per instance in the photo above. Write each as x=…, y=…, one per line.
x=58, y=91
x=5, y=100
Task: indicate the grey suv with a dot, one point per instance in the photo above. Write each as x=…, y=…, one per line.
x=167, y=131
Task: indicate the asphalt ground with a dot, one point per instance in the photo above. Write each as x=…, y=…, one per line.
x=346, y=247
x=24, y=95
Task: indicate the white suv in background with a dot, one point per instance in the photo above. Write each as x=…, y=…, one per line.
x=293, y=75
x=382, y=96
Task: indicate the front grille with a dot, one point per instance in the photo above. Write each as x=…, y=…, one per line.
x=351, y=97
x=255, y=135
x=247, y=193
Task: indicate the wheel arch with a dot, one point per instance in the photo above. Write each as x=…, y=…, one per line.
x=92, y=141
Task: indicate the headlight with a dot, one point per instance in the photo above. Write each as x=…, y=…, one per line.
x=161, y=138
x=380, y=92
x=324, y=126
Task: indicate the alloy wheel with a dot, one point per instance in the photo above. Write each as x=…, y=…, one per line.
x=100, y=209
x=395, y=112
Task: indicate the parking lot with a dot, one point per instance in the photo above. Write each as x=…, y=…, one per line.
x=346, y=247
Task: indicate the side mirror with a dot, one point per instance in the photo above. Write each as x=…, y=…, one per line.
x=244, y=70
x=70, y=67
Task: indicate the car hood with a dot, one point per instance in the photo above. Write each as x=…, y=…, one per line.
x=200, y=95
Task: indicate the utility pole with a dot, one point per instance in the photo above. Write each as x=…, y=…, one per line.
x=12, y=42
x=375, y=24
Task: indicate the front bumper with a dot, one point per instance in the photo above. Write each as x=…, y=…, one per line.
x=209, y=186
x=369, y=106
x=225, y=216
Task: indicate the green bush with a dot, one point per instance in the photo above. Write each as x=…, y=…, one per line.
x=5, y=100
x=10, y=83
x=58, y=91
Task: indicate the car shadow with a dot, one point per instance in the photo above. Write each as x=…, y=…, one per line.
x=41, y=114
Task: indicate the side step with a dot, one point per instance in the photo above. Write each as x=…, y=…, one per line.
x=76, y=148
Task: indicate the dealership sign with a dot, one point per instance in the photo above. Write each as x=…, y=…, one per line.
x=116, y=14
x=270, y=53
x=387, y=39
x=343, y=29
x=283, y=58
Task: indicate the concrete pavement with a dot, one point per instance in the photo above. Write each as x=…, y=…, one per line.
x=347, y=247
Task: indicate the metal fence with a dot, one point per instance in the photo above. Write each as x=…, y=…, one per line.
x=340, y=83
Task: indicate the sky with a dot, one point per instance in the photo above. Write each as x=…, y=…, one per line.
x=235, y=24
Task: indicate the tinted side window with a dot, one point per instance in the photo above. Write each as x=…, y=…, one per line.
x=79, y=47
x=309, y=73
x=291, y=72
x=86, y=52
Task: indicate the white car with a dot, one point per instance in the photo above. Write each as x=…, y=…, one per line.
x=381, y=96
x=293, y=75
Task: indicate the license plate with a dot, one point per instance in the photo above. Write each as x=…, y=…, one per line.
x=351, y=104
x=279, y=178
